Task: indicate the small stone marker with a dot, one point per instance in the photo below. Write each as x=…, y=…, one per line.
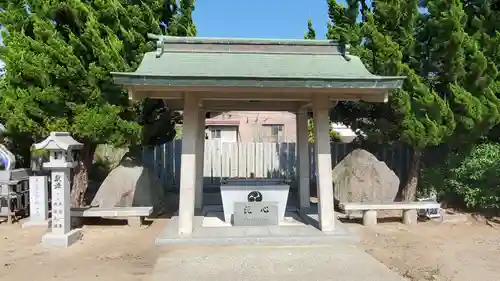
x=255, y=213
x=39, y=202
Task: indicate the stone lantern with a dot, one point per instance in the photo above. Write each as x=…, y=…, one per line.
x=61, y=147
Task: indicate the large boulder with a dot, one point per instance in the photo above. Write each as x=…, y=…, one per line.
x=130, y=184
x=361, y=177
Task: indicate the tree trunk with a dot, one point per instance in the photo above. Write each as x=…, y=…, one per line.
x=80, y=175
x=409, y=191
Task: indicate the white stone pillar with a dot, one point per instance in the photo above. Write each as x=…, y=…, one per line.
x=61, y=235
x=303, y=159
x=188, y=164
x=321, y=107
x=200, y=157
x=61, y=201
x=39, y=202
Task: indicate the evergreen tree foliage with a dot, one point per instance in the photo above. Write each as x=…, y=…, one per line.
x=384, y=40
x=58, y=57
x=157, y=119
x=482, y=22
x=449, y=54
x=473, y=94
x=311, y=33
x=461, y=73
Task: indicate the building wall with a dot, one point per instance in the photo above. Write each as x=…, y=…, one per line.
x=222, y=133
x=257, y=126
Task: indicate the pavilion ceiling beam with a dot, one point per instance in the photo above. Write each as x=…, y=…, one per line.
x=260, y=98
x=269, y=90
x=243, y=108
x=263, y=96
x=305, y=105
x=139, y=93
x=249, y=106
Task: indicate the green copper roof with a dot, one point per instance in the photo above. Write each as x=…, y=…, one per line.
x=188, y=61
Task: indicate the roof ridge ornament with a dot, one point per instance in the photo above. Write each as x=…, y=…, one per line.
x=344, y=50
x=160, y=46
x=160, y=43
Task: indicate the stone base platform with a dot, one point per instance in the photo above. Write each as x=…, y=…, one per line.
x=29, y=223
x=298, y=228
x=62, y=241
x=337, y=261
x=216, y=219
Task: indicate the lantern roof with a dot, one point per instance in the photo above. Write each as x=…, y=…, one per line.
x=58, y=141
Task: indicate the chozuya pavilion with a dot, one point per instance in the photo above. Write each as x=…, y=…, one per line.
x=200, y=75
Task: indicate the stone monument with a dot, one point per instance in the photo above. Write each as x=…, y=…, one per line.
x=61, y=147
x=39, y=202
x=130, y=184
x=360, y=177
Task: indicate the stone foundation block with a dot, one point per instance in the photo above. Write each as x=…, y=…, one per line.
x=369, y=217
x=62, y=241
x=410, y=217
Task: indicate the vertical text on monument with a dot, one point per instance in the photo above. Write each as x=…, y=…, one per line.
x=38, y=188
x=61, y=222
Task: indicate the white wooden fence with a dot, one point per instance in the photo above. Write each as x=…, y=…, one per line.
x=230, y=159
x=263, y=160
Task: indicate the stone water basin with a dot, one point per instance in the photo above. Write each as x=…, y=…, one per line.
x=253, y=190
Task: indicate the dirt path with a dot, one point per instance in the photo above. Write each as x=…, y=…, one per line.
x=105, y=253
x=461, y=251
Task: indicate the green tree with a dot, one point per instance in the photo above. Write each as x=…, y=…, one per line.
x=483, y=19
x=461, y=38
x=334, y=136
x=58, y=57
x=159, y=122
x=475, y=178
x=311, y=33
x=461, y=72
x=384, y=40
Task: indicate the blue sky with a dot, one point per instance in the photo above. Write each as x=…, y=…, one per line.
x=260, y=18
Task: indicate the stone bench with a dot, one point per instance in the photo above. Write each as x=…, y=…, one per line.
x=134, y=215
x=370, y=210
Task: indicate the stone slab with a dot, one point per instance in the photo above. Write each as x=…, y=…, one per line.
x=37, y=223
x=216, y=219
x=389, y=206
x=14, y=175
x=305, y=234
x=310, y=216
x=219, y=208
x=255, y=213
x=336, y=261
x=112, y=212
x=39, y=199
x=61, y=240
